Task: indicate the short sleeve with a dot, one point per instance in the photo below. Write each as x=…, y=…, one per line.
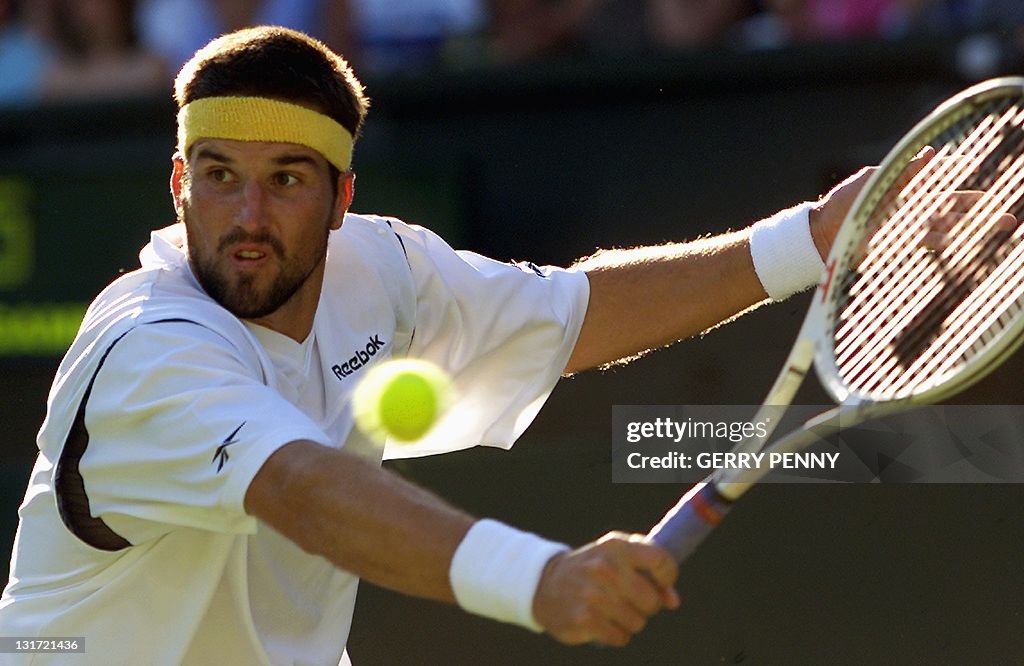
x=504, y=331
x=178, y=425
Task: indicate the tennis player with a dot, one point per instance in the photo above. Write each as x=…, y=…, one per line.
x=198, y=466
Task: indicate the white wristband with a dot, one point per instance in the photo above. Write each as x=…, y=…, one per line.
x=496, y=569
x=785, y=257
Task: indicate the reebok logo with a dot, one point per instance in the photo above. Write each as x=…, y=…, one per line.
x=530, y=267
x=359, y=358
x=220, y=456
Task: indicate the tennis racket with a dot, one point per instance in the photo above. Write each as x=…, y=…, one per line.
x=898, y=319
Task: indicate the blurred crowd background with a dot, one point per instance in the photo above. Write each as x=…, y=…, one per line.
x=75, y=49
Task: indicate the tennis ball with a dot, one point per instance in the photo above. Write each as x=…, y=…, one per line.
x=401, y=399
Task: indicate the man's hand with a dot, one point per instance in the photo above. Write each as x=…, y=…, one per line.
x=947, y=211
x=961, y=210
x=828, y=215
x=605, y=591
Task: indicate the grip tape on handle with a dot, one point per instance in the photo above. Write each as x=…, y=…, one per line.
x=689, y=522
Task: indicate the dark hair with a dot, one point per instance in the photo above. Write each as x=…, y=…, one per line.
x=278, y=63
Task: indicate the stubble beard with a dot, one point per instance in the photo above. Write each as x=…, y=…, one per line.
x=240, y=294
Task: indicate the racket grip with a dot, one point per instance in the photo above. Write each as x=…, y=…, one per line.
x=690, y=521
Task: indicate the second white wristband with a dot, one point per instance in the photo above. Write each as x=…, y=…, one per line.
x=496, y=569
x=785, y=257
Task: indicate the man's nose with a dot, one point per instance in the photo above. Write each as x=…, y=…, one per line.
x=253, y=210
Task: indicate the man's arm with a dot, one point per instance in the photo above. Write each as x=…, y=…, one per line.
x=362, y=518
x=649, y=297
x=379, y=526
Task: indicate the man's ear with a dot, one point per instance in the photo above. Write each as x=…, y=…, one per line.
x=346, y=190
x=177, y=176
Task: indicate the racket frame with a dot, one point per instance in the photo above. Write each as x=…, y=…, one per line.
x=852, y=231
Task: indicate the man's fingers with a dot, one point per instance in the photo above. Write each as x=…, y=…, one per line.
x=943, y=230
x=653, y=559
x=913, y=168
x=611, y=634
x=670, y=598
x=649, y=576
x=625, y=615
x=661, y=570
x=646, y=594
x=944, y=215
x=935, y=240
x=663, y=585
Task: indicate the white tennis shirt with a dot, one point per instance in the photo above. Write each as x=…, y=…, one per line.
x=132, y=531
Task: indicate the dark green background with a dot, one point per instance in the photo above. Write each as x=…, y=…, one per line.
x=547, y=163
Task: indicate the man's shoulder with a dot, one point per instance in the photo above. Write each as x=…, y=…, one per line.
x=369, y=243
x=365, y=228
x=148, y=290
x=153, y=295
x=384, y=239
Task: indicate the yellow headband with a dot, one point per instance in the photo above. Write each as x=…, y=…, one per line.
x=263, y=119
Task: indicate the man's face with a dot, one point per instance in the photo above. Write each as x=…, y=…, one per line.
x=257, y=216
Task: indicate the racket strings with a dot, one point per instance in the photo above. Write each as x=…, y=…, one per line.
x=954, y=336
x=934, y=312
x=899, y=221
x=978, y=319
x=943, y=285
x=912, y=313
x=904, y=231
x=873, y=300
x=921, y=324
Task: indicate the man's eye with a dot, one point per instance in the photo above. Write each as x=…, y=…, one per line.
x=219, y=175
x=285, y=179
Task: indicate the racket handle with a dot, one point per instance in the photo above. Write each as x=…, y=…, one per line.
x=690, y=521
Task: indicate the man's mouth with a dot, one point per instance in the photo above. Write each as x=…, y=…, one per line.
x=250, y=247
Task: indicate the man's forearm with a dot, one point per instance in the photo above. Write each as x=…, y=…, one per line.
x=649, y=297
x=362, y=518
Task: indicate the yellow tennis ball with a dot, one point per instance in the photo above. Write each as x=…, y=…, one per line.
x=401, y=399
